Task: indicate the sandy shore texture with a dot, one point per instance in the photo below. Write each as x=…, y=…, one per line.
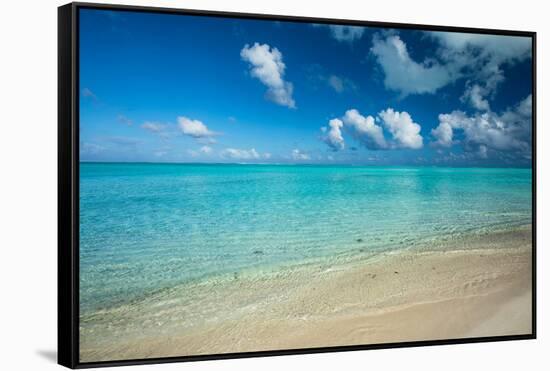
x=469, y=287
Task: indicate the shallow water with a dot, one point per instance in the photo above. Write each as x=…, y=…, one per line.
x=148, y=227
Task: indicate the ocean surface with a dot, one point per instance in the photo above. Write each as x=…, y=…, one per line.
x=150, y=227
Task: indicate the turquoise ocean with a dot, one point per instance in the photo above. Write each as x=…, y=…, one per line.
x=150, y=227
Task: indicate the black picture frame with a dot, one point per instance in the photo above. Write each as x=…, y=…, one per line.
x=68, y=184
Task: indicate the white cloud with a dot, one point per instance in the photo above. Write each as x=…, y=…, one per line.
x=298, y=155
x=266, y=64
x=443, y=134
x=241, y=154
x=154, y=127
x=404, y=130
x=405, y=133
x=475, y=95
x=346, y=33
x=497, y=47
x=477, y=57
x=334, y=137
x=479, y=129
x=509, y=131
x=480, y=57
x=365, y=129
x=206, y=150
x=194, y=128
x=405, y=75
x=524, y=108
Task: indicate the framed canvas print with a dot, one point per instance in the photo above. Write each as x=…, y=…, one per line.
x=236, y=185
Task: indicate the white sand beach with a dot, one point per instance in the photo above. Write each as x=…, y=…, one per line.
x=472, y=287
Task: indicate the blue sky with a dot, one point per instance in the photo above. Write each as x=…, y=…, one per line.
x=173, y=88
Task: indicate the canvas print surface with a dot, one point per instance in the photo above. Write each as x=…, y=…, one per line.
x=251, y=185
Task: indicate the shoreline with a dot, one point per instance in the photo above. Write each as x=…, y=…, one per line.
x=471, y=287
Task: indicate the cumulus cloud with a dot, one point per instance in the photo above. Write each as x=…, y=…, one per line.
x=477, y=57
x=405, y=75
x=509, y=132
x=483, y=128
x=241, y=154
x=298, y=155
x=266, y=64
x=523, y=109
x=499, y=48
x=404, y=130
x=333, y=135
x=365, y=129
x=443, y=134
x=475, y=96
x=481, y=57
x=194, y=128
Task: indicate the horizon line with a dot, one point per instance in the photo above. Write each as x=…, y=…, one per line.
x=305, y=164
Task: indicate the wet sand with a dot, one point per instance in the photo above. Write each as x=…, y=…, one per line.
x=468, y=287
